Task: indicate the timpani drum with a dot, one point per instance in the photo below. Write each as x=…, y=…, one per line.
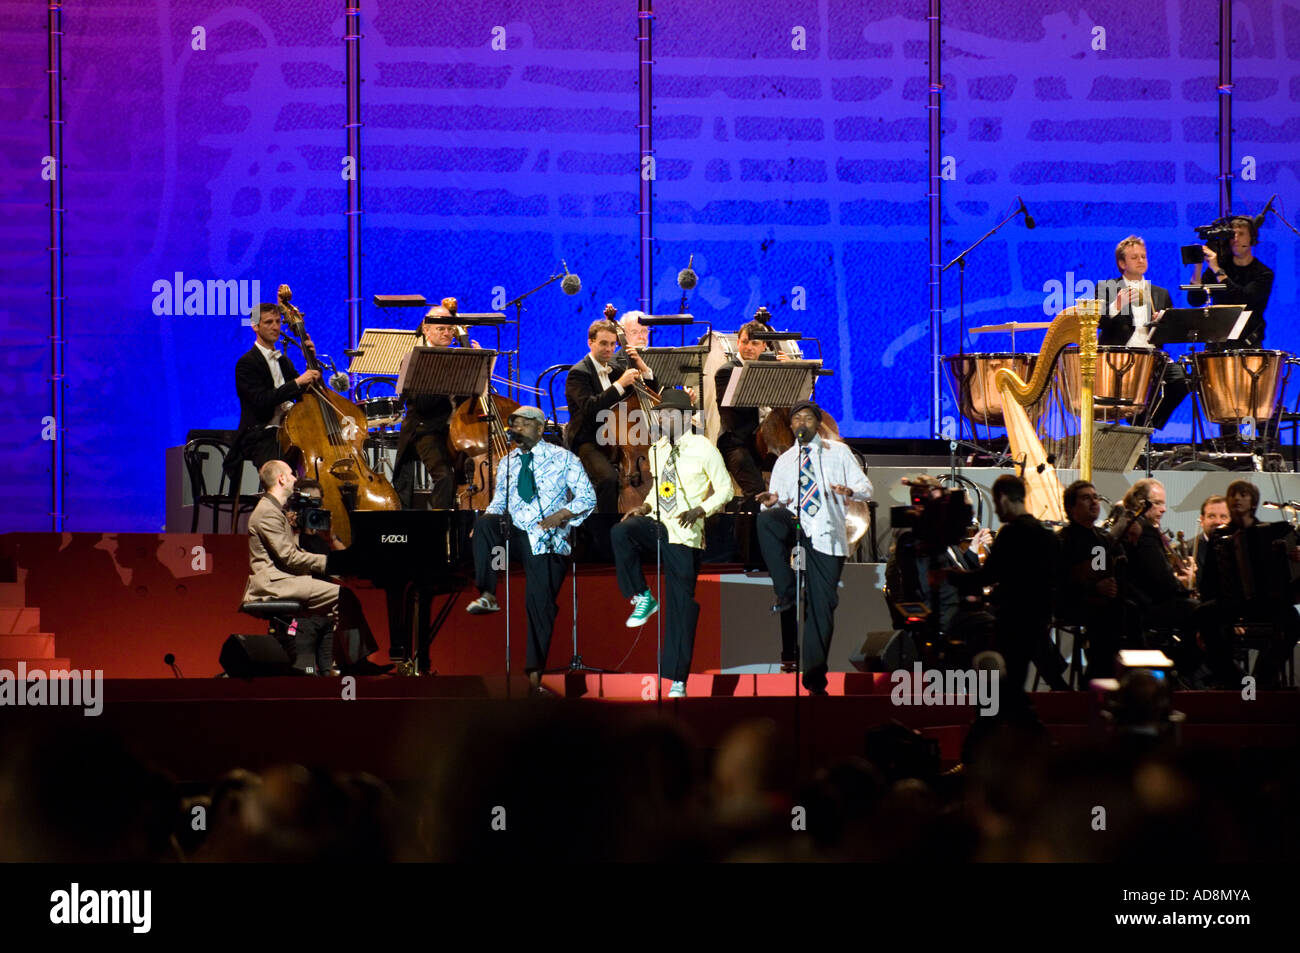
x=977, y=395
x=1127, y=378
x=1235, y=385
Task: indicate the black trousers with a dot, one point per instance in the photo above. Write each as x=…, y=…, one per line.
x=603, y=475
x=543, y=576
x=634, y=541
x=261, y=449
x=742, y=464
x=1025, y=638
x=1217, y=622
x=1175, y=390
x=776, y=540
x=430, y=448
x=314, y=643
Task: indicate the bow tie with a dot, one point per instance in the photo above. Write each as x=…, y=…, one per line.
x=275, y=355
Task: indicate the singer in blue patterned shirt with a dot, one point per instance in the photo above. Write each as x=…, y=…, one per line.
x=544, y=490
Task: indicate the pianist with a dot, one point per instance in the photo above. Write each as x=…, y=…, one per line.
x=281, y=569
x=545, y=490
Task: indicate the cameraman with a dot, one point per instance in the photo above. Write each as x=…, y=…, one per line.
x=313, y=636
x=1249, y=281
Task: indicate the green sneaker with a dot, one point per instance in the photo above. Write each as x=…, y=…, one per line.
x=644, y=606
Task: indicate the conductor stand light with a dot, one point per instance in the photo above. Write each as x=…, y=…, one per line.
x=960, y=261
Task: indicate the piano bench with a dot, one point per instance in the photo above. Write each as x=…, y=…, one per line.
x=271, y=608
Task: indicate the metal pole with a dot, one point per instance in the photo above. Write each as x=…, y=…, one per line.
x=352, y=51
x=1226, y=172
x=645, y=66
x=936, y=220
x=58, y=326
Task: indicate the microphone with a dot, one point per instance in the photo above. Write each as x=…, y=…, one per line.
x=1029, y=219
x=687, y=278
x=1259, y=219
x=514, y=436
x=571, y=284
x=803, y=435
x=340, y=381
x=170, y=661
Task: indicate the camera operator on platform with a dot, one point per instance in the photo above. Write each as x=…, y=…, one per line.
x=1249, y=281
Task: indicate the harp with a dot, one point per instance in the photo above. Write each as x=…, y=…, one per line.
x=1043, y=490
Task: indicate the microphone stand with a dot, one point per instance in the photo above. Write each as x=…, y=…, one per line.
x=798, y=571
x=1283, y=219
x=518, y=304
x=509, y=529
x=961, y=260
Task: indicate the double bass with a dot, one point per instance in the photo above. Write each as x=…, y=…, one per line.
x=478, y=430
x=322, y=437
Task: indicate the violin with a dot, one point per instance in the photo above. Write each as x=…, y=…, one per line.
x=477, y=430
x=323, y=436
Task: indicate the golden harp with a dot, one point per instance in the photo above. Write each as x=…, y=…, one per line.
x=1043, y=489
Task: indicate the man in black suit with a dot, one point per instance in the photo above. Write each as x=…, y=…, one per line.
x=738, y=426
x=1214, y=514
x=595, y=384
x=267, y=385
x=1089, y=592
x=426, y=428
x=1130, y=306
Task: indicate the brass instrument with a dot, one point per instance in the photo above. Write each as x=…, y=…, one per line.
x=1043, y=491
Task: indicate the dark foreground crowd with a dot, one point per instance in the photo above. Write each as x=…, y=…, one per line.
x=568, y=781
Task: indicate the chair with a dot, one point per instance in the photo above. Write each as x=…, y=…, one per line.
x=199, y=444
x=1258, y=637
x=549, y=375
x=278, y=614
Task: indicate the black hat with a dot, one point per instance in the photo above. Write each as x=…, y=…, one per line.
x=676, y=400
x=807, y=405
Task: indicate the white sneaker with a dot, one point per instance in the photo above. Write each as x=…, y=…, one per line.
x=485, y=603
x=678, y=690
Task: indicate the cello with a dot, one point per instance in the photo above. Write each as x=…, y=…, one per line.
x=630, y=448
x=322, y=436
x=478, y=431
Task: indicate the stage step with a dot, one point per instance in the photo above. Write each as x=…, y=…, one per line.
x=13, y=595
x=19, y=621
x=36, y=646
x=634, y=687
x=41, y=664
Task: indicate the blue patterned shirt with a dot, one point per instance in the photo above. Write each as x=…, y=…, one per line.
x=562, y=483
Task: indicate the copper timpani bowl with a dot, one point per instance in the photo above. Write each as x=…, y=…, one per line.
x=1236, y=385
x=977, y=395
x=1126, y=381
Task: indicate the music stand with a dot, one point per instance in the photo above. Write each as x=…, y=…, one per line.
x=381, y=350
x=445, y=371
x=770, y=383
x=676, y=366
x=1214, y=324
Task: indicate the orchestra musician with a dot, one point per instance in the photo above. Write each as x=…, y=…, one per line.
x=738, y=429
x=1249, y=281
x=1022, y=566
x=1130, y=307
x=1089, y=591
x=1214, y=513
x=593, y=385
x=541, y=491
x=805, y=507
x=426, y=428
x=281, y=569
x=691, y=484
x=1260, y=552
x=268, y=386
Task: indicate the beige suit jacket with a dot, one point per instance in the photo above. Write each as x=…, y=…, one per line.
x=278, y=567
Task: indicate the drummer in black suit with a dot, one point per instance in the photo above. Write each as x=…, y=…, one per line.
x=1130, y=307
x=426, y=428
x=268, y=385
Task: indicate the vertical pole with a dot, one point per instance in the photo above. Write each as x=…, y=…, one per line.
x=58, y=327
x=645, y=67
x=1226, y=171
x=936, y=219
x=352, y=54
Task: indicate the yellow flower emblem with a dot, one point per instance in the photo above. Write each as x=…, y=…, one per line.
x=667, y=489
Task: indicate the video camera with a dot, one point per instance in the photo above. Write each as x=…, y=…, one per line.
x=938, y=516
x=312, y=515
x=1218, y=235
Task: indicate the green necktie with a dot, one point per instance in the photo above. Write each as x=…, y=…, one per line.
x=527, y=484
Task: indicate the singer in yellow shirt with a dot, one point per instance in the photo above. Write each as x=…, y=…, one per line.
x=691, y=483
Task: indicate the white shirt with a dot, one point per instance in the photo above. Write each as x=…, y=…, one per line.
x=834, y=465
x=277, y=377
x=1141, y=313
x=603, y=371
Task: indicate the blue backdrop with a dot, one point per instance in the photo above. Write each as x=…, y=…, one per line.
x=791, y=146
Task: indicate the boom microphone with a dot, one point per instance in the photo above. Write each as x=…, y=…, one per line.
x=571, y=284
x=1029, y=219
x=687, y=278
x=1259, y=219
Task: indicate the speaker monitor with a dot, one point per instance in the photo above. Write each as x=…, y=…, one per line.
x=254, y=656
